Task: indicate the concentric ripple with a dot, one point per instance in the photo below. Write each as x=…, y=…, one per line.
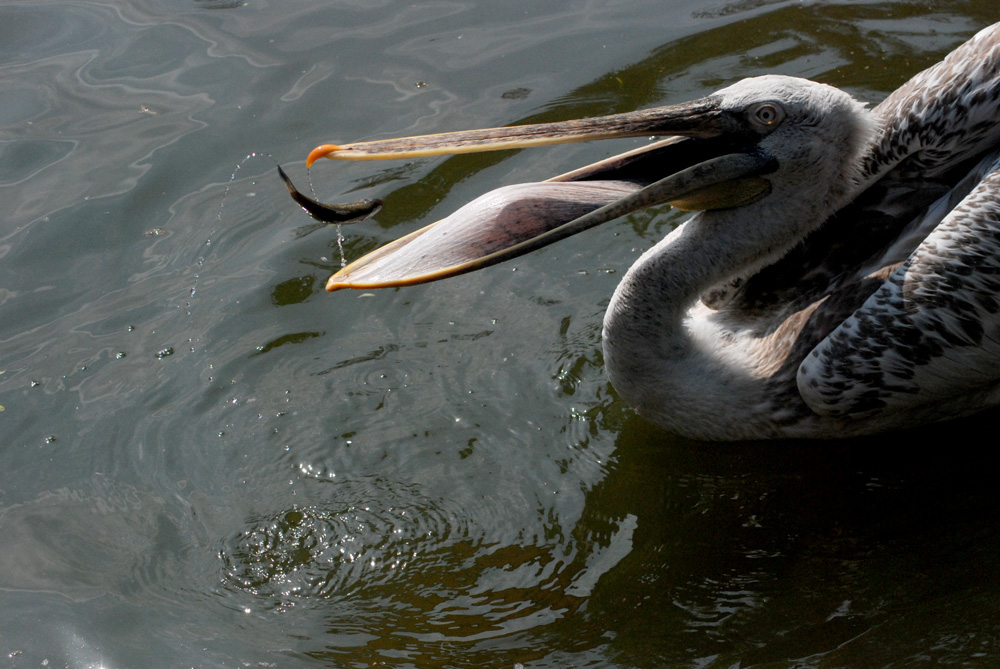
x=334, y=549
x=395, y=570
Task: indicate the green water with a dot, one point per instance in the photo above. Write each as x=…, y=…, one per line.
x=208, y=461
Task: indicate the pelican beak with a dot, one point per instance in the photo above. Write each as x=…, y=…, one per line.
x=707, y=160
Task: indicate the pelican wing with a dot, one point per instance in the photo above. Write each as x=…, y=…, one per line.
x=942, y=116
x=931, y=332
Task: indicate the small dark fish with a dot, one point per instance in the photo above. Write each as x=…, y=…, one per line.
x=351, y=212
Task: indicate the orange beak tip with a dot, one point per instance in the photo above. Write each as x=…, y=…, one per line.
x=321, y=151
x=337, y=282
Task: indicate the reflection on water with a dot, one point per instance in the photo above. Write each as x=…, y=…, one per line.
x=82, y=543
x=377, y=549
x=439, y=476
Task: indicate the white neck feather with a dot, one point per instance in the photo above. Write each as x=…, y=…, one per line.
x=680, y=369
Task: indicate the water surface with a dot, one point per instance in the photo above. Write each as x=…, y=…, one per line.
x=206, y=460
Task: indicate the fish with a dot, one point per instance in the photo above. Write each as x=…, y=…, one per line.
x=338, y=214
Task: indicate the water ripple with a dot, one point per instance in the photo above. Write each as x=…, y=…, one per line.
x=335, y=550
x=387, y=558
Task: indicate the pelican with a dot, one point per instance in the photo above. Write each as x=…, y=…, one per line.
x=839, y=278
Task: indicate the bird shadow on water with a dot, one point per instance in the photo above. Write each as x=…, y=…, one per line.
x=817, y=552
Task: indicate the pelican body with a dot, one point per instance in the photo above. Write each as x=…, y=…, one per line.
x=841, y=276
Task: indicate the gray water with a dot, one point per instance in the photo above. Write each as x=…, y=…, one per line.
x=208, y=461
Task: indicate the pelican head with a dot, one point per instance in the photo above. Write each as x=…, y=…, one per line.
x=761, y=140
x=814, y=132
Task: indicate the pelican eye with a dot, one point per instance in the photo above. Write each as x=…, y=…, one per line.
x=767, y=114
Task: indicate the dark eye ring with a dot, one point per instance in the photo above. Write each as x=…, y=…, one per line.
x=768, y=114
